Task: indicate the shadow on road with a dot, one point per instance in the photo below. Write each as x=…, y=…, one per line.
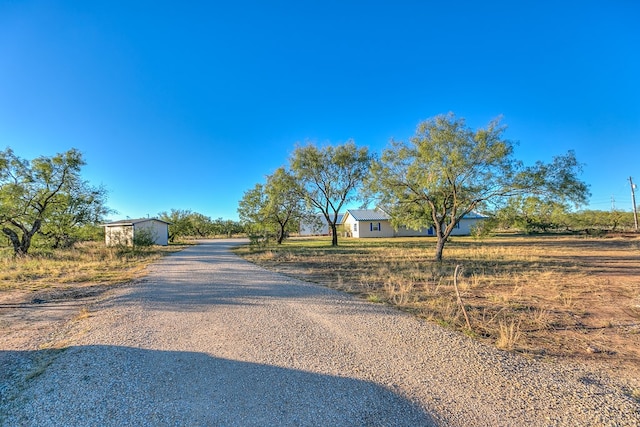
x=209, y=274
x=113, y=385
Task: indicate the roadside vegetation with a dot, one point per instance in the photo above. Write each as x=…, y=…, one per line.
x=548, y=296
x=85, y=264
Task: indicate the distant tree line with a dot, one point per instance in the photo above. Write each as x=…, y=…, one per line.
x=187, y=224
x=532, y=216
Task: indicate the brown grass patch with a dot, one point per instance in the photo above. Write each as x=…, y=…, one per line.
x=569, y=297
x=69, y=270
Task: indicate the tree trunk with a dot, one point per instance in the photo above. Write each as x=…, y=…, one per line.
x=15, y=241
x=334, y=234
x=20, y=247
x=440, y=247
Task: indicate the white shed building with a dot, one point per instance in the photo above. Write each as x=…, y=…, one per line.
x=123, y=232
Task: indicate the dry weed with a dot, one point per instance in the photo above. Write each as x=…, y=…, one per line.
x=87, y=263
x=541, y=318
x=399, y=293
x=84, y=314
x=509, y=334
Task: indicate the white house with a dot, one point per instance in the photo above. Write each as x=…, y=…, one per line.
x=367, y=223
x=122, y=232
x=376, y=223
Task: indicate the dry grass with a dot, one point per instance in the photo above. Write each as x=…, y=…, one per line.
x=87, y=264
x=551, y=296
x=510, y=335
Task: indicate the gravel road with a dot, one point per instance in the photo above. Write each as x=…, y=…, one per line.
x=210, y=339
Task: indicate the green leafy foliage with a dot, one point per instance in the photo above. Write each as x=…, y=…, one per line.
x=144, y=237
x=179, y=223
x=328, y=177
x=46, y=196
x=274, y=208
x=70, y=220
x=184, y=223
x=532, y=215
x=448, y=170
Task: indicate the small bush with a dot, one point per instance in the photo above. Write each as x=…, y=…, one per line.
x=144, y=237
x=261, y=240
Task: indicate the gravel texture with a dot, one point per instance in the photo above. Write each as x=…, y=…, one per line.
x=210, y=339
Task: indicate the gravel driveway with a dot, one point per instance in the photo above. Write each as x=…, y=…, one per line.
x=209, y=339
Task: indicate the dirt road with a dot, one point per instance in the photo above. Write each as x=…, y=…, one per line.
x=209, y=339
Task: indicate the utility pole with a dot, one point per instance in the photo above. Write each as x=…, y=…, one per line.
x=633, y=201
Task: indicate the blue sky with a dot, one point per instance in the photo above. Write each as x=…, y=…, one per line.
x=186, y=105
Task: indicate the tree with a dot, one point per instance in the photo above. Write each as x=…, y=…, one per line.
x=179, y=223
x=227, y=227
x=329, y=177
x=81, y=206
x=533, y=214
x=448, y=170
x=31, y=191
x=184, y=223
x=251, y=209
x=274, y=206
x=603, y=220
x=201, y=225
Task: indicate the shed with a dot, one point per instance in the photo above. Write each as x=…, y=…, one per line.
x=123, y=232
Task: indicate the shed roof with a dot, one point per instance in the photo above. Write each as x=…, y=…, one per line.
x=132, y=222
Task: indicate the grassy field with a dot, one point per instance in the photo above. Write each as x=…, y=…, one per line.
x=550, y=296
x=86, y=264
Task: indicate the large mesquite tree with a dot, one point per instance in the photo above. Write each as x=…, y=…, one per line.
x=329, y=177
x=35, y=193
x=448, y=170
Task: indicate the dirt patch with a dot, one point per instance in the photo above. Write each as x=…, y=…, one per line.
x=41, y=292
x=31, y=320
x=547, y=297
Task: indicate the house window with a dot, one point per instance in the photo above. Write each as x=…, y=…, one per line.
x=374, y=227
x=355, y=226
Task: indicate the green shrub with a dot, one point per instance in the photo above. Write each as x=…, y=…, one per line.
x=144, y=237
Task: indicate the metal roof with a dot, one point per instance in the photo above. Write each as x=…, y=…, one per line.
x=132, y=221
x=378, y=215
x=367, y=215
